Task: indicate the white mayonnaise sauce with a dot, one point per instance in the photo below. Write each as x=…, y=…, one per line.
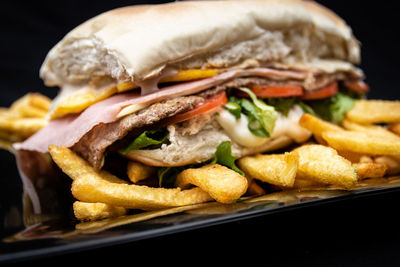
x=239, y=132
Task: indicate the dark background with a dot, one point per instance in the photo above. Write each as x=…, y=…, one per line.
x=359, y=232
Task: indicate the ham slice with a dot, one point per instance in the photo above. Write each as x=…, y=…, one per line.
x=69, y=130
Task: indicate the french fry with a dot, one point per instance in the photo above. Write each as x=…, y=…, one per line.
x=254, y=189
x=31, y=105
x=395, y=128
x=350, y=155
x=301, y=183
x=74, y=166
x=10, y=136
x=323, y=165
x=223, y=184
x=366, y=159
x=370, y=170
x=24, y=117
x=317, y=126
x=277, y=169
x=374, y=111
x=32, y=112
x=94, y=188
x=361, y=142
x=137, y=171
x=91, y=186
x=40, y=101
x=24, y=127
x=374, y=130
x=94, y=211
x=392, y=164
x=6, y=145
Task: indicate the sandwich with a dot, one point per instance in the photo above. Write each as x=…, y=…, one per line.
x=170, y=69
x=165, y=85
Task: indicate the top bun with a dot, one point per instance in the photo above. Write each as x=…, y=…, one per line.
x=138, y=42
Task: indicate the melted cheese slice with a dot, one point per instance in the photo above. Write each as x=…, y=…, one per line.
x=78, y=101
x=180, y=76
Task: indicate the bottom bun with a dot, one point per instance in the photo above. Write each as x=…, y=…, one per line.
x=200, y=152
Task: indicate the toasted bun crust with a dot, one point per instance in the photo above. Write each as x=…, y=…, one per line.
x=138, y=42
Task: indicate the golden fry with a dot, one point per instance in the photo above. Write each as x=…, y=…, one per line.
x=395, y=128
x=10, y=136
x=350, y=155
x=137, y=171
x=366, y=159
x=94, y=211
x=92, y=186
x=25, y=117
x=373, y=130
x=75, y=167
x=275, y=169
x=305, y=183
x=95, y=188
x=361, y=142
x=223, y=184
x=317, y=126
x=32, y=112
x=6, y=145
x=254, y=189
x=370, y=170
x=323, y=165
x=24, y=127
x=392, y=163
x=375, y=111
x=40, y=101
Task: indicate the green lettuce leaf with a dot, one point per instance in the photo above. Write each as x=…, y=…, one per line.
x=223, y=156
x=261, y=116
x=234, y=108
x=146, y=139
x=340, y=105
x=306, y=108
x=334, y=108
x=282, y=105
x=167, y=175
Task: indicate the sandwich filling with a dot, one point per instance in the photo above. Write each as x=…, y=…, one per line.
x=249, y=108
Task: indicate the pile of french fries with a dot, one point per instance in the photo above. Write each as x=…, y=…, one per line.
x=339, y=156
x=366, y=145
x=23, y=118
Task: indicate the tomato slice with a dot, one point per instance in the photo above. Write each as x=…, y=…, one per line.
x=358, y=86
x=208, y=105
x=273, y=91
x=324, y=92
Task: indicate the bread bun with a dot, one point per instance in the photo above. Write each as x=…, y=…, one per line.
x=138, y=42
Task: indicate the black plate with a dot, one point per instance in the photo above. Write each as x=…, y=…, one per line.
x=32, y=29
x=38, y=219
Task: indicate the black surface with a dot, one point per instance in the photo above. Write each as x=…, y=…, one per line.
x=359, y=232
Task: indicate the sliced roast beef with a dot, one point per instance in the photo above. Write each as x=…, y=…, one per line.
x=311, y=83
x=93, y=145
